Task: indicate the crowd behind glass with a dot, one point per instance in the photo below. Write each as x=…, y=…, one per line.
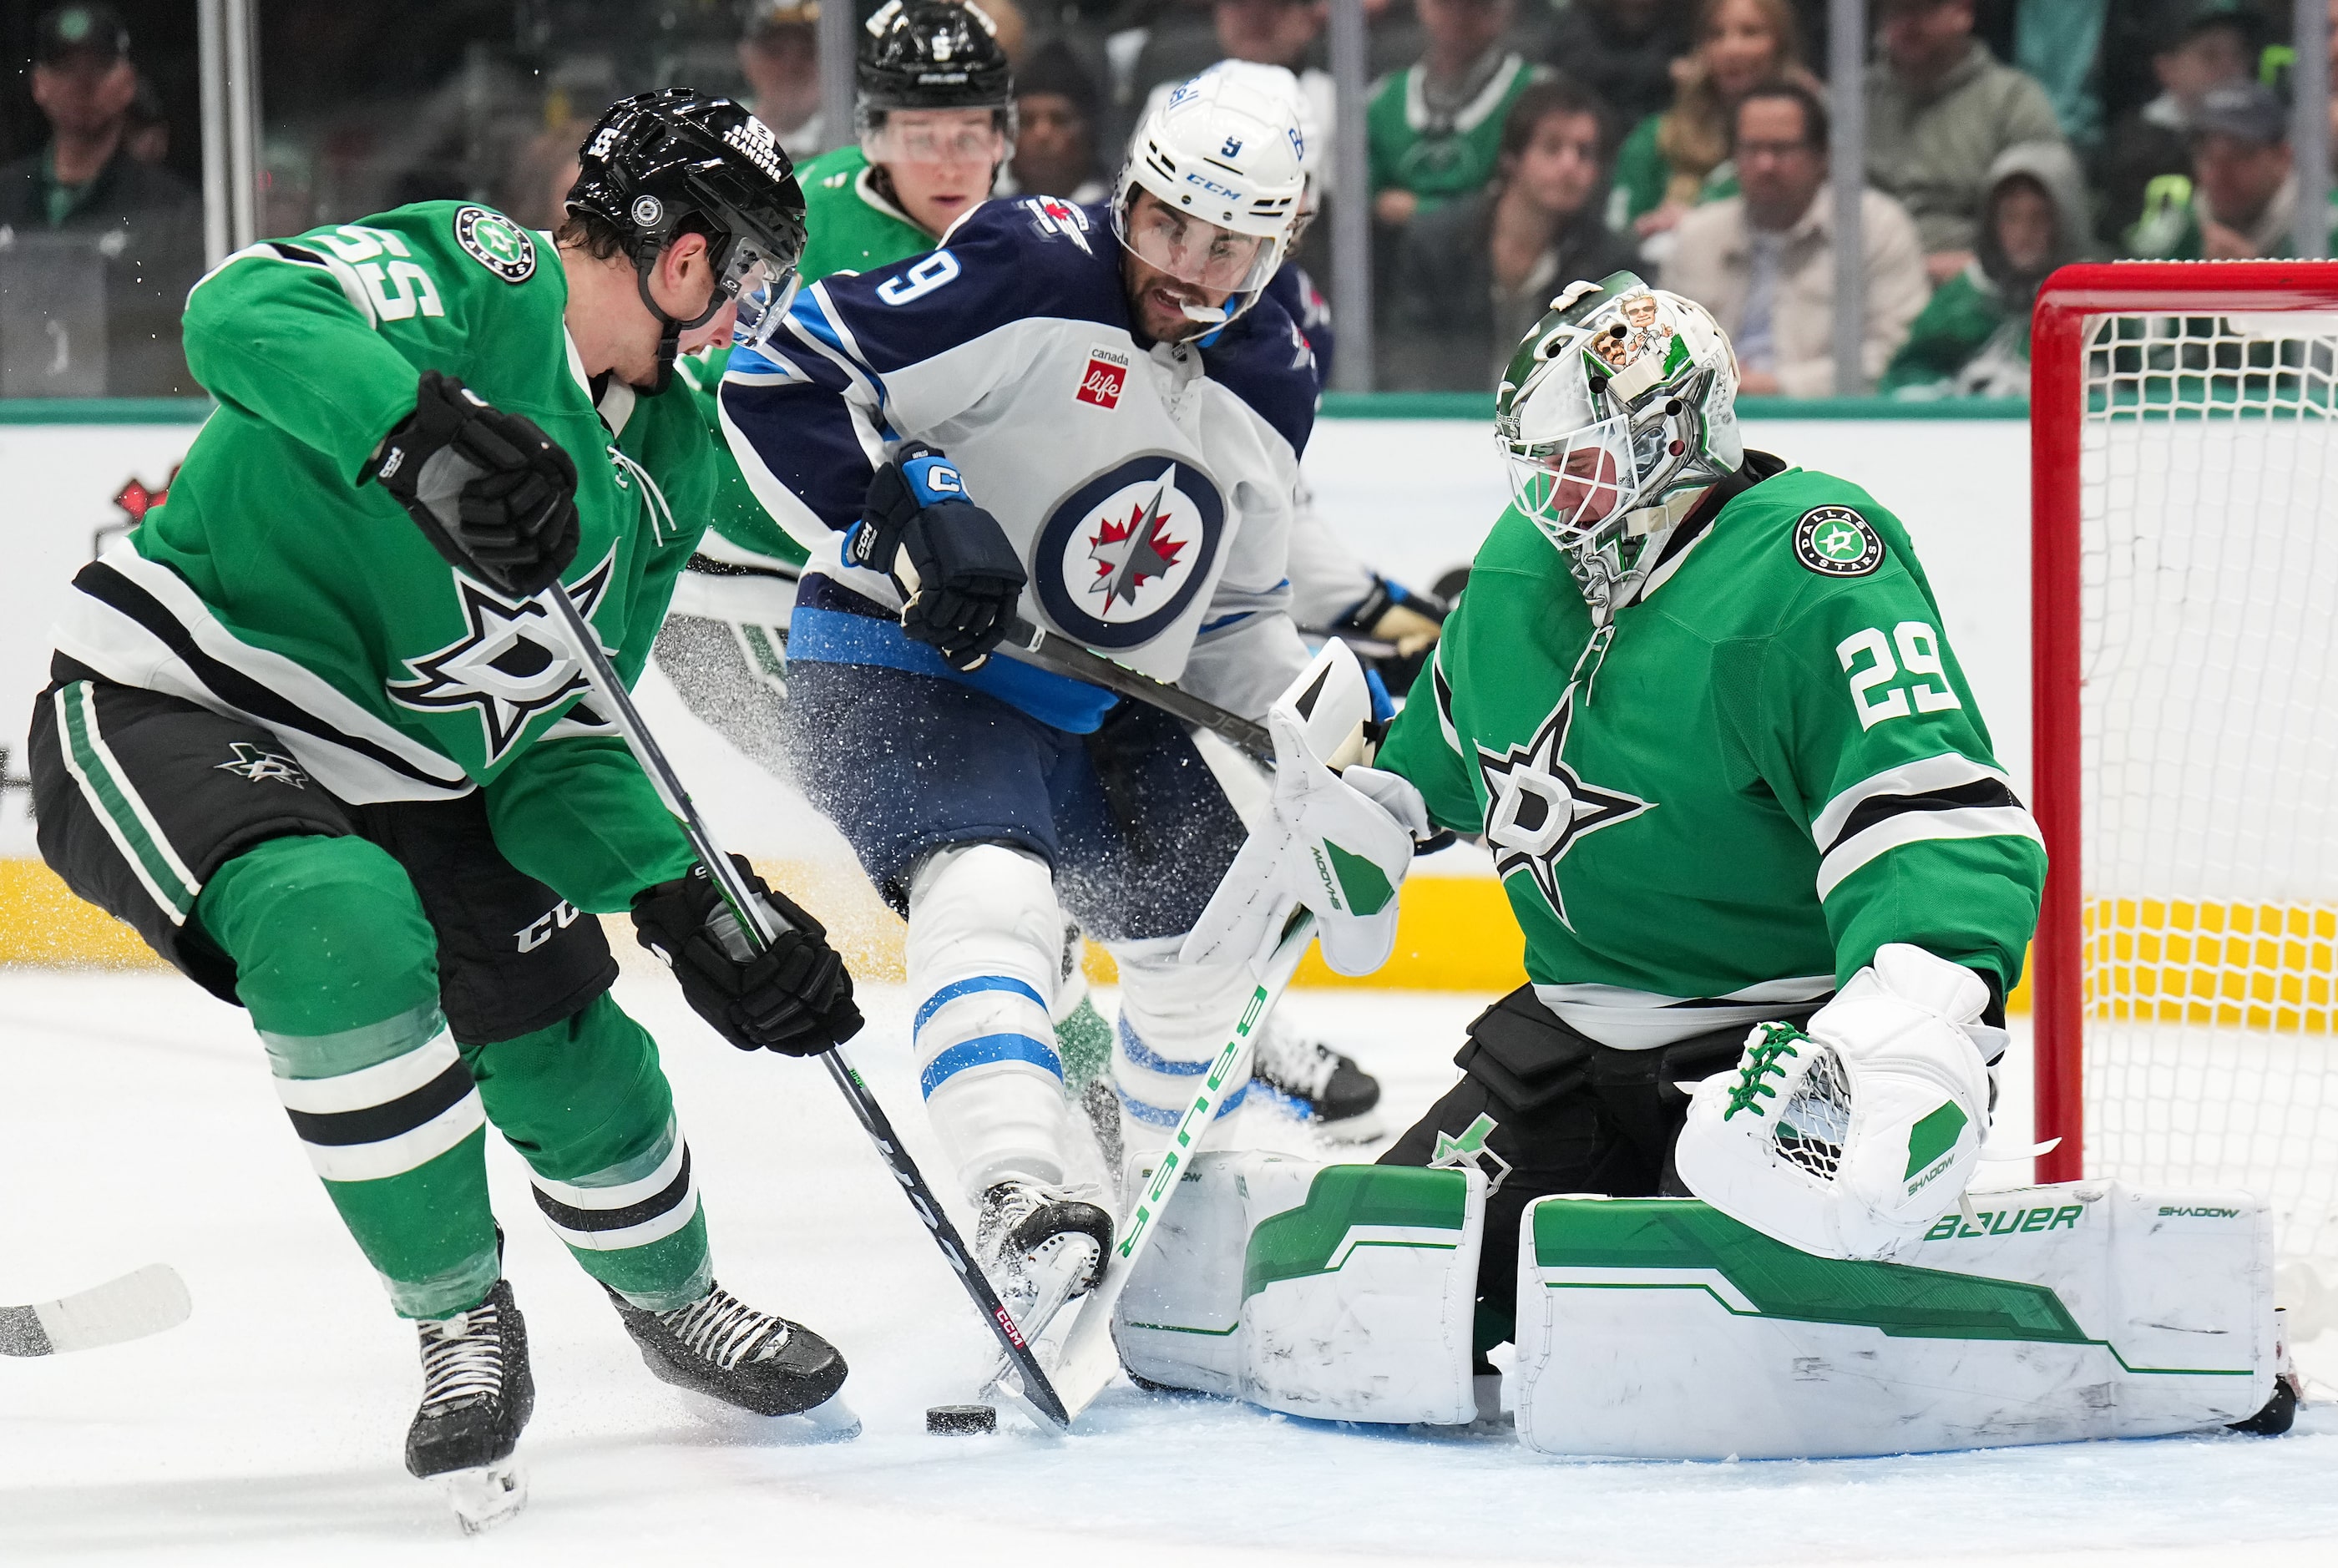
x=1512, y=145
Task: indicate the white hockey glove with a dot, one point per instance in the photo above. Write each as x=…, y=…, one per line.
x=1339, y=844
x=1851, y=1139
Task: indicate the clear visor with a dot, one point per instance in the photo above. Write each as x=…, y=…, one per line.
x=981, y=145
x=764, y=308
x=1195, y=250
x=1572, y=485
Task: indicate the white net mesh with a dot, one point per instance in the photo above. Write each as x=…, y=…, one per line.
x=2210, y=758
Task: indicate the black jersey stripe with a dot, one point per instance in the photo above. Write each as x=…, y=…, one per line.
x=1882, y=807
x=108, y=586
x=708, y=566
x=375, y=1124
x=569, y=1218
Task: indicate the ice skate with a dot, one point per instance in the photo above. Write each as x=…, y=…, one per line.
x=720, y=1347
x=1318, y=1085
x=1041, y=1246
x=477, y=1396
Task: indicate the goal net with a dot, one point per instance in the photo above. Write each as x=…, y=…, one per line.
x=2185, y=574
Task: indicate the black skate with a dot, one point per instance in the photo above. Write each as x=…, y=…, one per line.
x=477, y=1396
x=1041, y=1246
x=1318, y=1084
x=2280, y=1411
x=720, y=1347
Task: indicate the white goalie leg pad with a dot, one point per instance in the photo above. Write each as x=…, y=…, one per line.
x=986, y=942
x=1340, y=1292
x=1851, y=1138
x=1175, y=1019
x=1661, y=1329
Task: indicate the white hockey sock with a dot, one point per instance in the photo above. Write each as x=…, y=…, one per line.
x=986, y=942
x=1175, y=1019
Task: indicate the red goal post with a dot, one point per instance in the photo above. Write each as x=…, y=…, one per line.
x=2158, y=390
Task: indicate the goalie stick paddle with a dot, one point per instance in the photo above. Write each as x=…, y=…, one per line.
x=754, y=919
x=145, y=1301
x=1091, y=1360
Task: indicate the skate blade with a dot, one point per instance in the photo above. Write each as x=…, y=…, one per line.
x=833, y=1420
x=1366, y=1128
x=484, y=1497
x=1058, y=1280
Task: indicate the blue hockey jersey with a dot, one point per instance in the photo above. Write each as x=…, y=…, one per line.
x=1148, y=489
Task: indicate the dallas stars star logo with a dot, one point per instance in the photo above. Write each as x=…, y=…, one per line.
x=1537, y=808
x=512, y=663
x=262, y=767
x=1127, y=554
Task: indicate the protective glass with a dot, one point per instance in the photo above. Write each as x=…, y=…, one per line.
x=763, y=309
x=894, y=143
x=1194, y=250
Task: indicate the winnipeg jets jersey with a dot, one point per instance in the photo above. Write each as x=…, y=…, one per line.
x=1148, y=490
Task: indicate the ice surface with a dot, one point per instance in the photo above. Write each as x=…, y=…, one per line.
x=136, y=1126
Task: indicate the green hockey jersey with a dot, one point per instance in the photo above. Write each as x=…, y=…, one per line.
x=1776, y=768
x=281, y=585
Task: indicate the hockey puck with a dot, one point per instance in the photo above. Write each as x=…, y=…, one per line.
x=960, y=1420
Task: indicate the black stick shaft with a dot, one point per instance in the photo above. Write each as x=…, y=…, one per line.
x=1032, y=644
x=754, y=917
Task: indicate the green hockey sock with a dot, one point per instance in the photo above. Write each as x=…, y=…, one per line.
x=1084, y=1041
x=339, y=967
x=588, y=1106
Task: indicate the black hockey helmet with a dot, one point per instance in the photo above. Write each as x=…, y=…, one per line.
x=931, y=55
x=661, y=164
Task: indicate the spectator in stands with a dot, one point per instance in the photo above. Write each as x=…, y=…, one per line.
x=1939, y=110
x=1435, y=128
x=146, y=127
x=2202, y=44
x=83, y=202
x=1762, y=262
x=1622, y=49
x=1679, y=159
x=778, y=55
x=1056, y=106
x=1471, y=275
x=1972, y=339
x=2241, y=202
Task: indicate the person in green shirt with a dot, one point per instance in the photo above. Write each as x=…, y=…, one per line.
x=1701, y=708
x=313, y=732
x=1679, y=159
x=2241, y=200
x=1434, y=130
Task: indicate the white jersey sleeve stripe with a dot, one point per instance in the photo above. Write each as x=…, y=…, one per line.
x=1947, y=771
x=1916, y=827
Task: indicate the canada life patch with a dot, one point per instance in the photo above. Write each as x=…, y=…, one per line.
x=1837, y=542
x=1102, y=381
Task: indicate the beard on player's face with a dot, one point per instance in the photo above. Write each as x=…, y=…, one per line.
x=1155, y=300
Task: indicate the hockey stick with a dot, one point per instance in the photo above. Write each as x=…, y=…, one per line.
x=140, y=1303
x=1034, y=645
x=754, y=918
x=1090, y=1359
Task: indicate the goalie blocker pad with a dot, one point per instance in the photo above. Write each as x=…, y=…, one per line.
x=1338, y=1292
x=1661, y=1329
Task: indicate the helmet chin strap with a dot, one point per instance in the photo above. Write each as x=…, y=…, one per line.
x=670, y=329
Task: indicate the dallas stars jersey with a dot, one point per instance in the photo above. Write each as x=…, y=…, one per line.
x=1777, y=768
x=849, y=227
x=280, y=586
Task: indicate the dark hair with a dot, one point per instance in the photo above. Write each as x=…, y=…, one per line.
x=1551, y=95
x=1055, y=67
x=1816, y=128
x=581, y=228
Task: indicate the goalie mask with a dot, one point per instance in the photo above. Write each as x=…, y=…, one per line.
x=1618, y=408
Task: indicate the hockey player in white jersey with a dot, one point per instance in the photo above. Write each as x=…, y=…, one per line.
x=1123, y=418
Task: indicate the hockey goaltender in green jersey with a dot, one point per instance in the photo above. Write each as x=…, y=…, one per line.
x=315, y=733
x=1705, y=1176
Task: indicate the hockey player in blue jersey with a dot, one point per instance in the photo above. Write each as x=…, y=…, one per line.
x=1123, y=418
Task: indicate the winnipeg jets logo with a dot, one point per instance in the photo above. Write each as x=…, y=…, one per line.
x=262, y=767
x=1130, y=555
x=511, y=663
x=1122, y=557
x=1052, y=216
x=1538, y=808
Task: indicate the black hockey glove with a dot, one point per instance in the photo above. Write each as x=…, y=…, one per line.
x=493, y=492
x=794, y=997
x=959, y=574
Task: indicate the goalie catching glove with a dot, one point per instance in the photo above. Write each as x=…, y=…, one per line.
x=491, y=491
x=957, y=572
x=1337, y=838
x=1851, y=1138
x=794, y=997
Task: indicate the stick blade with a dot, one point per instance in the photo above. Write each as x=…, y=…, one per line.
x=145, y=1301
